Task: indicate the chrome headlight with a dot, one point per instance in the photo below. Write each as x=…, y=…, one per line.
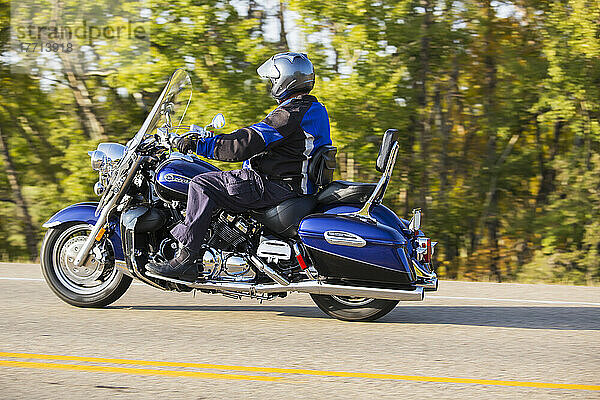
x=99, y=160
x=114, y=151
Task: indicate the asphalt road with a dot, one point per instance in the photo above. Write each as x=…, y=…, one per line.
x=468, y=340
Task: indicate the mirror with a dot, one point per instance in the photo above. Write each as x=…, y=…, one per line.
x=415, y=221
x=218, y=121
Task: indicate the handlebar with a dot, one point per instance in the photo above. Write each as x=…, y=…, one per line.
x=167, y=138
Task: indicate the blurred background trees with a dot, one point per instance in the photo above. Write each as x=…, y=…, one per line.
x=498, y=103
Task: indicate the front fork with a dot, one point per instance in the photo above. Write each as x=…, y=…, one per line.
x=91, y=239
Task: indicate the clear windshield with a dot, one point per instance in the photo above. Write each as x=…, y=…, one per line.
x=169, y=109
x=168, y=112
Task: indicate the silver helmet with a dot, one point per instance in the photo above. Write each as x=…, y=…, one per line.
x=289, y=73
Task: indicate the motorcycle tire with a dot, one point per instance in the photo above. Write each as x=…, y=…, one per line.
x=353, y=309
x=60, y=243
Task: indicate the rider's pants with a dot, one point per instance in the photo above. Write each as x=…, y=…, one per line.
x=237, y=191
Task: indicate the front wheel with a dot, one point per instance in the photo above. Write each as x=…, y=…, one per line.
x=353, y=308
x=96, y=283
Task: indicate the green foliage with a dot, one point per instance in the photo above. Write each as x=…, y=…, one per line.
x=498, y=104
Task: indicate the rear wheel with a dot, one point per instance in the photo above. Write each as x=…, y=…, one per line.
x=353, y=308
x=96, y=283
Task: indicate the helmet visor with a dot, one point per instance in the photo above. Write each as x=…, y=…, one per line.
x=268, y=70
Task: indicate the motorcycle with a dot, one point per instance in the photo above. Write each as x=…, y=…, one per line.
x=352, y=254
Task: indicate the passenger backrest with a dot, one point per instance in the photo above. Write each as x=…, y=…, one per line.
x=389, y=138
x=322, y=165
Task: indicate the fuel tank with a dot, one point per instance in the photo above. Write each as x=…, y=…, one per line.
x=173, y=176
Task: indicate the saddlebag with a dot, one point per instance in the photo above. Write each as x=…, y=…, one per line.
x=345, y=247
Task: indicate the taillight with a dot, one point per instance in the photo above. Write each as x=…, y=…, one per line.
x=424, y=249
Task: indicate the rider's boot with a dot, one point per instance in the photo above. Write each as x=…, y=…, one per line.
x=183, y=266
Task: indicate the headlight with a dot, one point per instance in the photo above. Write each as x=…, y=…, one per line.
x=99, y=160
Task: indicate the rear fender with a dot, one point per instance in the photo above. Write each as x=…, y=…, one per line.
x=86, y=213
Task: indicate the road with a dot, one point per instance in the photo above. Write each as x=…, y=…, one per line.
x=468, y=340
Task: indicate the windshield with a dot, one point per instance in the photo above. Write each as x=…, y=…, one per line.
x=169, y=109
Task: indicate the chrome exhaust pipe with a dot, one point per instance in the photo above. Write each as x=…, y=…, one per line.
x=313, y=287
x=429, y=284
x=264, y=268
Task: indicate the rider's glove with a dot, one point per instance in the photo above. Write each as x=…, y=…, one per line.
x=185, y=144
x=206, y=147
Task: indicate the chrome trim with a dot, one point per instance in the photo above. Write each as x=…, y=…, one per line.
x=421, y=271
x=99, y=188
x=89, y=242
x=429, y=284
x=122, y=266
x=312, y=276
x=114, y=151
x=98, y=160
x=426, y=279
x=262, y=267
x=138, y=274
x=342, y=238
x=51, y=224
x=415, y=222
x=313, y=287
x=365, y=212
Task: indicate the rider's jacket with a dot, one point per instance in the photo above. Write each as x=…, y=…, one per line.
x=279, y=146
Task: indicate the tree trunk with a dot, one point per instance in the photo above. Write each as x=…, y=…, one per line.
x=30, y=240
x=283, y=43
x=547, y=172
x=490, y=214
x=341, y=165
x=424, y=116
x=73, y=71
x=350, y=167
x=410, y=167
x=92, y=126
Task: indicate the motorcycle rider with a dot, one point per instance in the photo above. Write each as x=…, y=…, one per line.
x=275, y=152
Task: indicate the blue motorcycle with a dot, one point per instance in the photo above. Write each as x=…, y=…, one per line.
x=352, y=254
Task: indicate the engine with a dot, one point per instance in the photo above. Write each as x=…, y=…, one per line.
x=220, y=265
x=229, y=239
x=231, y=233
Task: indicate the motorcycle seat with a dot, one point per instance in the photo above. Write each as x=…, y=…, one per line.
x=345, y=192
x=284, y=218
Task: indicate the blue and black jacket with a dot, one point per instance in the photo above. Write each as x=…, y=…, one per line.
x=279, y=146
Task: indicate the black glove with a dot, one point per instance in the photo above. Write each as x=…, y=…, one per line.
x=186, y=143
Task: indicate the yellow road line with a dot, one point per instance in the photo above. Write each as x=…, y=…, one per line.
x=414, y=378
x=135, y=371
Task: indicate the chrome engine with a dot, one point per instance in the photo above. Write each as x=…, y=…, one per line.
x=220, y=265
x=224, y=257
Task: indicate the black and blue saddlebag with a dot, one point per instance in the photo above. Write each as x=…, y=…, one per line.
x=345, y=247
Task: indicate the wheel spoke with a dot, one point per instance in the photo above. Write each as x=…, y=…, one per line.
x=89, y=278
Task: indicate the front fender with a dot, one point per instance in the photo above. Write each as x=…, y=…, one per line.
x=80, y=212
x=85, y=212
